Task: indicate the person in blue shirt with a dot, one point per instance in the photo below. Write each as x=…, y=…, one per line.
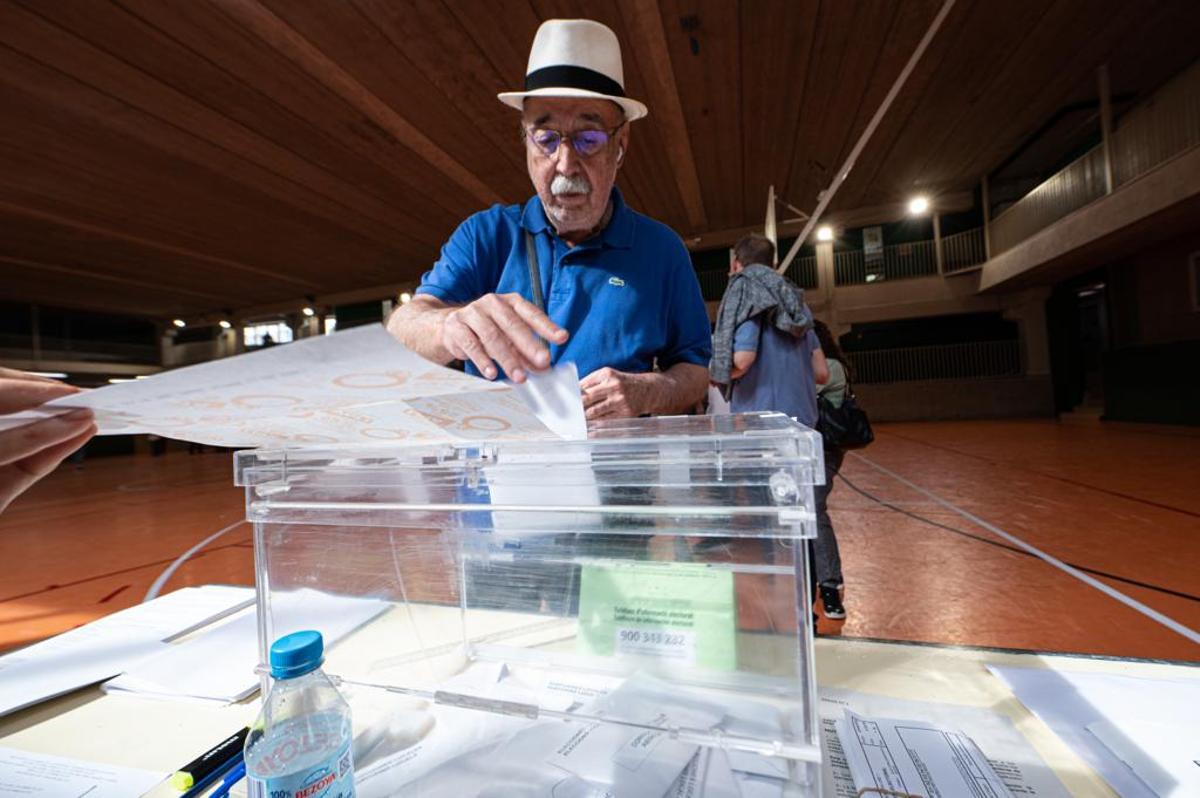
x=573, y=274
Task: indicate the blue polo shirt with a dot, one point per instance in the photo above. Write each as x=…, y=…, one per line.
x=628, y=296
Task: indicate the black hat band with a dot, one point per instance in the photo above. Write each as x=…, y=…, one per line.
x=572, y=77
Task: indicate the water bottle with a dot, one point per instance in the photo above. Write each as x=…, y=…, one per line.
x=300, y=745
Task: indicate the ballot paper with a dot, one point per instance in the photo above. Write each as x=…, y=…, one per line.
x=43, y=776
x=218, y=665
x=614, y=748
x=1165, y=757
x=110, y=645
x=708, y=775
x=457, y=753
x=916, y=759
x=360, y=385
x=1075, y=704
x=1011, y=756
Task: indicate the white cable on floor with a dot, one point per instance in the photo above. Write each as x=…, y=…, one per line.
x=1132, y=603
x=182, y=558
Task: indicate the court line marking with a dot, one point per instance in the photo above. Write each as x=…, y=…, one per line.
x=1014, y=464
x=885, y=505
x=1132, y=603
x=182, y=558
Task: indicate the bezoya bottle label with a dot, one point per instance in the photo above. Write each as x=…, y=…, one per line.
x=331, y=779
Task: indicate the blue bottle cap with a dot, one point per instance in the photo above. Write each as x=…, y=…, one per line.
x=297, y=654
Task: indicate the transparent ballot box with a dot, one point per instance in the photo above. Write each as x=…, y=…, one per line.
x=627, y=615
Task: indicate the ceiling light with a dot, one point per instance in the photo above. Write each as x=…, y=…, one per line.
x=824, y=233
x=180, y=323
x=308, y=311
x=918, y=205
x=115, y=380
x=224, y=324
x=54, y=375
x=405, y=298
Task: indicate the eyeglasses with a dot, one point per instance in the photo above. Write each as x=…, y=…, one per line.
x=586, y=143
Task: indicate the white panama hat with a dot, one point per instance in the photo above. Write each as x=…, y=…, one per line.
x=575, y=58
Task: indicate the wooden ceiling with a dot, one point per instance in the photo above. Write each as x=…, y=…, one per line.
x=178, y=157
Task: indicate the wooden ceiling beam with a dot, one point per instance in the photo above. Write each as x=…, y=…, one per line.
x=209, y=57
x=649, y=46
x=46, y=216
x=60, y=68
x=73, y=271
x=283, y=38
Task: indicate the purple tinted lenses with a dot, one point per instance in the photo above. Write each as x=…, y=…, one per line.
x=585, y=142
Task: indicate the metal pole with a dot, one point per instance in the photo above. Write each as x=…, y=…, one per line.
x=851, y=159
x=769, y=229
x=987, y=221
x=937, y=242
x=35, y=335
x=1105, y=124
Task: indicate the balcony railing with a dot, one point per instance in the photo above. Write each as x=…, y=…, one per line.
x=803, y=272
x=896, y=262
x=713, y=282
x=1163, y=126
x=946, y=362
x=50, y=348
x=1079, y=183
x=1166, y=124
x=963, y=250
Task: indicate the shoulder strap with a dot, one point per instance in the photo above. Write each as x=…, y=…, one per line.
x=535, y=274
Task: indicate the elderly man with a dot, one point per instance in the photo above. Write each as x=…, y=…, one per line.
x=573, y=274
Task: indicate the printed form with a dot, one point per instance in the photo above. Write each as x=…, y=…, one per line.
x=916, y=759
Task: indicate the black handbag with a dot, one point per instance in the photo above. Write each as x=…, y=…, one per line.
x=844, y=427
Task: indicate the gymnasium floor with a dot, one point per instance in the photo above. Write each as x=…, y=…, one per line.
x=1119, y=500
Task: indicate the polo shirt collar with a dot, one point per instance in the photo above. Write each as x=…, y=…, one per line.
x=618, y=233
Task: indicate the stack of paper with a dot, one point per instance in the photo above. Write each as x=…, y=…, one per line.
x=1141, y=735
x=111, y=644
x=356, y=386
x=479, y=753
x=912, y=758
x=1008, y=752
x=218, y=665
x=46, y=776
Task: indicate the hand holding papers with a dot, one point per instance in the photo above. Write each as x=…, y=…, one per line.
x=30, y=455
x=356, y=386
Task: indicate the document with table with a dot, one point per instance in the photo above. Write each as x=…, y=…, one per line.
x=916, y=759
x=44, y=776
x=1010, y=756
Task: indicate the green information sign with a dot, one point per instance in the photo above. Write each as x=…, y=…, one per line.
x=679, y=612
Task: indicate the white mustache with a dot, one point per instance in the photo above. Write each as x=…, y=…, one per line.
x=570, y=185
